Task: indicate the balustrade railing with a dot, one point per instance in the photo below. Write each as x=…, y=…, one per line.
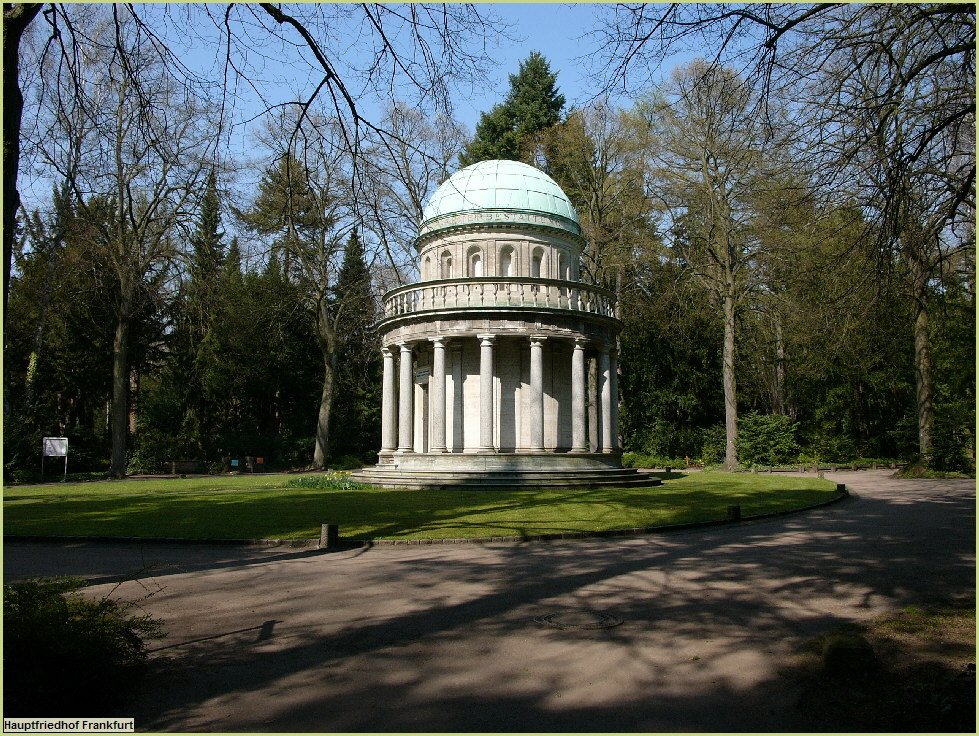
x=476, y=293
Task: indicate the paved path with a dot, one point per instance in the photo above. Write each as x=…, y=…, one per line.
x=443, y=638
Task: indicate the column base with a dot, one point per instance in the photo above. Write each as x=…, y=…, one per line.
x=486, y=451
x=578, y=450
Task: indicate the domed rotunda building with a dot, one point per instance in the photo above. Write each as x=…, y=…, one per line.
x=487, y=358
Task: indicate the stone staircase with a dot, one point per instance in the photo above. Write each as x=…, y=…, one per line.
x=498, y=479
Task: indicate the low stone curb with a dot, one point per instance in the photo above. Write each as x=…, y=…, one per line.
x=360, y=543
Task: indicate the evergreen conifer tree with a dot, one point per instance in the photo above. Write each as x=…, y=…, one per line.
x=356, y=421
x=194, y=350
x=511, y=129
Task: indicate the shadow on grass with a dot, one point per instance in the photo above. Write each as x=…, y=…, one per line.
x=289, y=513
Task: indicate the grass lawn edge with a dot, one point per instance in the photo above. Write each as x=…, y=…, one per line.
x=353, y=543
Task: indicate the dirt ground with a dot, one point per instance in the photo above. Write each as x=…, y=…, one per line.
x=921, y=676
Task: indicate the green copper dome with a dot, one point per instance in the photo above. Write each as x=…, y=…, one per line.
x=500, y=192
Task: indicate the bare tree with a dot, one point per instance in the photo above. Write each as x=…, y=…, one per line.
x=705, y=166
x=416, y=51
x=400, y=171
x=16, y=19
x=139, y=147
x=304, y=210
x=916, y=162
x=883, y=101
x=597, y=156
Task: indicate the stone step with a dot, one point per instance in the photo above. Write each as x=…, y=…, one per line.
x=611, y=477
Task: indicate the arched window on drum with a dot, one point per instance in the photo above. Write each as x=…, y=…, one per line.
x=507, y=264
x=475, y=260
x=445, y=265
x=563, y=266
x=537, y=264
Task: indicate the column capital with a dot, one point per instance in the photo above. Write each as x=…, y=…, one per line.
x=580, y=343
x=438, y=341
x=538, y=339
x=387, y=351
x=405, y=346
x=486, y=339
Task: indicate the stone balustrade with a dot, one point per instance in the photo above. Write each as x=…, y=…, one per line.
x=476, y=293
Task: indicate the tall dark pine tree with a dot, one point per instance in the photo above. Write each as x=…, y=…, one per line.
x=511, y=129
x=356, y=417
x=195, y=343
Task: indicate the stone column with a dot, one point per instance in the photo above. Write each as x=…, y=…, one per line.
x=613, y=375
x=485, y=393
x=389, y=428
x=579, y=380
x=605, y=398
x=436, y=395
x=406, y=392
x=537, y=393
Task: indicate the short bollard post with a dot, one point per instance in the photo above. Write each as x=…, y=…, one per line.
x=841, y=488
x=734, y=513
x=329, y=536
x=668, y=469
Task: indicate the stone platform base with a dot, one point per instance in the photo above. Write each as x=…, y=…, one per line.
x=503, y=470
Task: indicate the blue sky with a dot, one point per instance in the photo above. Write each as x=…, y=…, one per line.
x=557, y=30
x=553, y=29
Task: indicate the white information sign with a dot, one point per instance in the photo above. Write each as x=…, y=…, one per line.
x=54, y=447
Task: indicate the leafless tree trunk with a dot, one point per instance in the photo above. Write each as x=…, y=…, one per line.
x=922, y=359
x=326, y=338
x=16, y=18
x=730, y=385
x=778, y=399
x=120, y=390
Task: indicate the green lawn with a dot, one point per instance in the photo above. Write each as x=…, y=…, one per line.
x=252, y=507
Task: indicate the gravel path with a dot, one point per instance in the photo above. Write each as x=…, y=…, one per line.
x=464, y=638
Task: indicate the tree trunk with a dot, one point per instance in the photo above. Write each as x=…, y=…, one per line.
x=16, y=18
x=730, y=387
x=321, y=453
x=120, y=393
x=42, y=319
x=326, y=337
x=779, y=397
x=922, y=362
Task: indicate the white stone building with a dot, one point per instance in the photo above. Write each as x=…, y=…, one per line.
x=499, y=364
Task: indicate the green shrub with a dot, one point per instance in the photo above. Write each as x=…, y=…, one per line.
x=346, y=462
x=950, y=443
x=666, y=440
x=766, y=439
x=828, y=448
x=642, y=460
x=67, y=655
x=338, y=481
x=714, y=445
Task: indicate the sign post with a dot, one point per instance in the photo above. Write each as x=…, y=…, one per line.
x=54, y=447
